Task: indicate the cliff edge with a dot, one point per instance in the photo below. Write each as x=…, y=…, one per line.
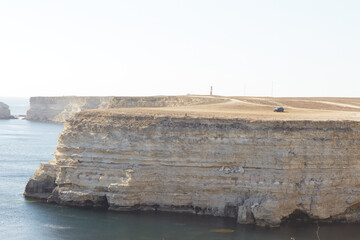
x=59, y=109
x=206, y=162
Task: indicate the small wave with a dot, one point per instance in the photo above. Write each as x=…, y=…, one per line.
x=56, y=226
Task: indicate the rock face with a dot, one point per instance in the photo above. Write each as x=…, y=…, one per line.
x=59, y=109
x=260, y=172
x=5, y=111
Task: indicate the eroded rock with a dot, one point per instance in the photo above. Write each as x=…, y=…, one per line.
x=5, y=111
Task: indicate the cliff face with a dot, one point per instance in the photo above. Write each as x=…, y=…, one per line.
x=59, y=109
x=256, y=171
x=5, y=111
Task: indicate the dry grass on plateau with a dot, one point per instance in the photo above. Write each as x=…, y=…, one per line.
x=257, y=108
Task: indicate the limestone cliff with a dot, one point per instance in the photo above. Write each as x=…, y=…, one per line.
x=256, y=171
x=162, y=101
x=59, y=109
x=5, y=111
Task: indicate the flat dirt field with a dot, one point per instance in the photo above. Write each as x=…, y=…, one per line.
x=257, y=108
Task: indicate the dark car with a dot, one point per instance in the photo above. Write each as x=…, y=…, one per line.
x=279, y=109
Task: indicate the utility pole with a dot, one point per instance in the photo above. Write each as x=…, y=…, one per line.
x=211, y=89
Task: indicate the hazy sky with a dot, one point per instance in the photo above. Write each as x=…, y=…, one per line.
x=131, y=47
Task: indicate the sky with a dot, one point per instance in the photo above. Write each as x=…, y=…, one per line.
x=165, y=47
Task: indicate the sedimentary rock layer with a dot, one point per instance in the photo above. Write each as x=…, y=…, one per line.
x=5, y=111
x=256, y=171
x=59, y=109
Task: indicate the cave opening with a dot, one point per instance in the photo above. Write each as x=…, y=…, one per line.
x=297, y=216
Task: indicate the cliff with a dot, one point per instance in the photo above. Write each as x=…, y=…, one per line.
x=5, y=111
x=260, y=170
x=162, y=101
x=59, y=109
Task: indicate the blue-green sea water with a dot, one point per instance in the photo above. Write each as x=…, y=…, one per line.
x=24, y=144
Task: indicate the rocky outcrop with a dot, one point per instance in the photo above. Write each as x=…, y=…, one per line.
x=260, y=172
x=59, y=109
x=5, y=111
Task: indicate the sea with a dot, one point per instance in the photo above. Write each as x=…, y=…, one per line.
x=25, y=144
